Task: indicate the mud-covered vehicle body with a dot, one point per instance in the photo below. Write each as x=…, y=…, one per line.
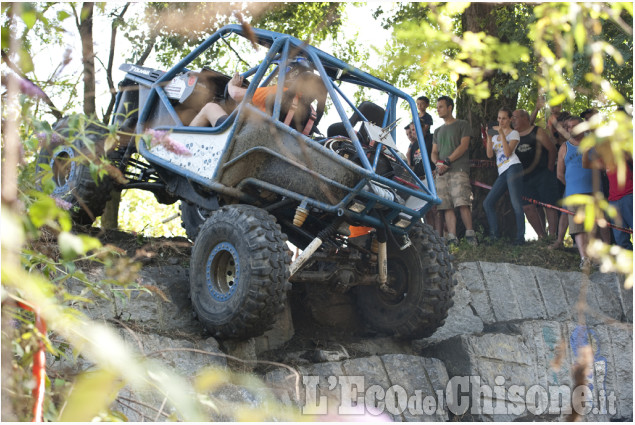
x=264, y=176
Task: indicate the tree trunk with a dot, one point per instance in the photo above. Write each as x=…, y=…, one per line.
x=110, y=217
x=480, y=17
x=88, y=57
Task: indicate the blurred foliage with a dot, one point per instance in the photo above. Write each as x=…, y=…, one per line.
x=430, y=45
x=163, y=24
x=577, y=54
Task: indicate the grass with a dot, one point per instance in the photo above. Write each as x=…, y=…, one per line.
x=532, y=253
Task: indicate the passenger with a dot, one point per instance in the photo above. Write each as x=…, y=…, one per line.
x=450, y=153
x=577, y=180
x=510, y=175
x=537, y=154
x=213, y=114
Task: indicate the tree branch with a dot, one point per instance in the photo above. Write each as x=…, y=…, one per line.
x=54, y=110
x=147, y=51
x=111, y=57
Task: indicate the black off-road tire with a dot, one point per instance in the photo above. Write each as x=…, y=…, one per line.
x=192, y=218
x=422, y=277
x=239, y=272
x=67, y=158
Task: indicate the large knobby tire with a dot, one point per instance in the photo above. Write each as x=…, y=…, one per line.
x=421, y=277
x=66, y=156
x=239, y=272
x=192, y=218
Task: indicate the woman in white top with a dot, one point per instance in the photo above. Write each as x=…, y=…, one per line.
x=510, y=175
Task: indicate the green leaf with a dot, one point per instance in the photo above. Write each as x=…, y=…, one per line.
x=29, y=18
x=557, y=99
x=62, y=15
x=453, y=8
x=579, y=33
x=42, y=211
x=26, y=63
x=6, y=37
x=92, y=393
x=90, y=243
x=71, y=246
x=65, y=221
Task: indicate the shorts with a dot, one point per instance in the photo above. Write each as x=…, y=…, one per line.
x=221, y=120
x=575, y=228
x=542, y=185
x=454, y=189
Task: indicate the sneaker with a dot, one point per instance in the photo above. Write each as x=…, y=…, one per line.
x=585, y=264
x=452, y=240
x=470, y=237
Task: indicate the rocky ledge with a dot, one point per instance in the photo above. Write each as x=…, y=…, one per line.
x=507, y=351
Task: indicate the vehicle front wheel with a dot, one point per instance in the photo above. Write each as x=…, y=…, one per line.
x=421, y=287
x=239, y=272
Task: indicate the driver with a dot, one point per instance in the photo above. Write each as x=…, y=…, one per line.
x=214, y=114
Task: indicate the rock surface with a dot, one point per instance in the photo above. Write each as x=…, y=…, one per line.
x=513, y=336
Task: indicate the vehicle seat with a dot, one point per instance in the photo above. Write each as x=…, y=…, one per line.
x=371, y=111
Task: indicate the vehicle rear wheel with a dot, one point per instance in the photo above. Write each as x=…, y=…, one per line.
x=422, y=284
x=67, y=157
x=239, y=272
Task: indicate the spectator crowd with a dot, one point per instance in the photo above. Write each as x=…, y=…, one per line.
x=537, y=167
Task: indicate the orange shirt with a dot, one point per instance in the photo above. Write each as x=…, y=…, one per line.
x=260, y=96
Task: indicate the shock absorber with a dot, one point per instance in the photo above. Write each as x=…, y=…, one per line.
x=374, y=245
x=314, y=245
x=301, y=213
x=382, y=262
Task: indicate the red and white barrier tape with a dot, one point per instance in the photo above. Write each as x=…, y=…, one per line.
x=542, y=204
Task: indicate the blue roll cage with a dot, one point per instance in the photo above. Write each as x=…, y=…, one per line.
x=282, y=44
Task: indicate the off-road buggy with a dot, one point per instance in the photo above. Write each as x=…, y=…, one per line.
x=348, y=199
